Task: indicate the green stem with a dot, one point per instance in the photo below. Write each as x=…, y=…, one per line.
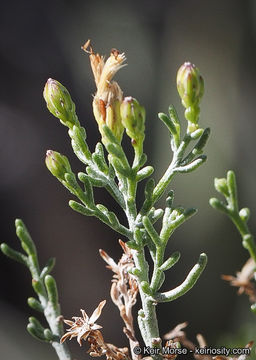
x=53, y=317
x=163, y=183
x=147, y=315
x=168, y=175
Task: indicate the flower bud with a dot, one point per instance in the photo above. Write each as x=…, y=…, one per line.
x=190, y=87
x=57, y=164
x=59, y=102
x=133, y=119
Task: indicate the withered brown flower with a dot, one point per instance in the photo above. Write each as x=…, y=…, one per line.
x=124, y=290
x=242, y=280
x=82, y=327
x=108, y=97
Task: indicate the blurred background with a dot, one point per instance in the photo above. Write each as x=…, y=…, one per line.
x=42, y=39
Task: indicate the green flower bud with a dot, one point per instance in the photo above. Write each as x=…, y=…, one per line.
x=190, y=85
x=133, y=119
x=57, y=164
x=59, y=102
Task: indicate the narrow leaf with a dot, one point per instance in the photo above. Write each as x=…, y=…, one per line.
x=26, y=240
x=151, y=231
x=48, y=267
x=80, y=208
x=144, y=173
x=35, y=304
x=13, y=254
x=51, y=288
x=172, y=260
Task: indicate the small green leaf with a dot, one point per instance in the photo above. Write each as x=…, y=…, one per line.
x=124, y=171
x=93, y=176
x=168, y=122
x=13, y=254
x=102, y=209
x=161, y=280
x=155, y=214
x=244, y=214
x=149, y=188
x=48, y=267
x=71, y=180
x=33, y=331
x=196, y=134
x=202, y=141
x=143, y=160
x=38, y=287
x=80, y=208
x=169, y=199
x=218, y=205
x=35, y=304
x=35, y=328
x=192, y=166
x=101, y=164
x=133, y=245
x=26, y=240
x=48, y=335
x=109, y=134
x=151, y=231
x=146, y=288
x=144, y=173
x=115, y=150
x=138, y=236
x=187, y=284
x=51, y=288
x=113, y=219
x=172, y=260
x=221, y=186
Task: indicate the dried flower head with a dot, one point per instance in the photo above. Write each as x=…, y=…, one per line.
x=83, y=326
x=242, y=280
x=179, y=335
x=124, y=289
x=98, y=348
x=108, y=97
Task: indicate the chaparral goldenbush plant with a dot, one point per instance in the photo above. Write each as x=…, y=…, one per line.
x=108, y=167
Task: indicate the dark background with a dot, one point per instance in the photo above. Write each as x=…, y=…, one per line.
x=42, y=39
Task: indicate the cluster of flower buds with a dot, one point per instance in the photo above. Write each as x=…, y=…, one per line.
x=59, y=102
x=190, y=85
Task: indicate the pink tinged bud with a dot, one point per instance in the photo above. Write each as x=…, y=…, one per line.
x=190, y=84
x=59, y=102
x=57, y=164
